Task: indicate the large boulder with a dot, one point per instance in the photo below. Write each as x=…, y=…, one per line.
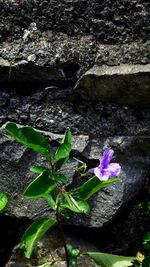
x=131, y=152
x=133, y=155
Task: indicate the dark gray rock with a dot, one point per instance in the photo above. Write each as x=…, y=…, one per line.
x=54, y=57
x=29, y=73
x=98, y=33
x=53, y=109
x=109, y=22
x=132, y=153
x=125, y=84
x=66, y=58
x=15, y=175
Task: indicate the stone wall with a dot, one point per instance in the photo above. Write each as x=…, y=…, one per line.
x=86, y=67
x=111, y=22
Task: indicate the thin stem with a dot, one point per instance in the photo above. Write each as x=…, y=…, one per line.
x=59, y=221
x=51, y=166
x=74, y=169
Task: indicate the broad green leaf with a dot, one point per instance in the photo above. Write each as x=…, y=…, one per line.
x=34, y=233
x=75, y=205
x=67, y=137
x=39, y=169
x=29, y=137
x=146, y=262
x=3, y=201
x=63, y=151
x=40, y=187
x=89, y=188
x=59, y=177
x=110, y=260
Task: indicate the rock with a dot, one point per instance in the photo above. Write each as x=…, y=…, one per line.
x=99, y=33
x=53, y=109
x=65, y=57
x=16, y=162
x=50, y=248
x=132, y=153
x=29, y=73
x=125, y=84
x=42, y=71
x=109, y=22
x=31, y=58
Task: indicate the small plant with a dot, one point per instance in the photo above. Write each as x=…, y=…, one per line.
x=51, y=185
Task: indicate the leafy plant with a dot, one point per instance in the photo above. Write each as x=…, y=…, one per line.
x=51, y=185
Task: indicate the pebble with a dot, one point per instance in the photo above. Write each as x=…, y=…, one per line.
x=31, y=58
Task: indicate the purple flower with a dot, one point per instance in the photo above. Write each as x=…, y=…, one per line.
x=105, y=169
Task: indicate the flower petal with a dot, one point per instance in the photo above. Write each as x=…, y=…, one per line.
x=104, y=177
x=98, y=174
x=107, y=156
x=113, y=170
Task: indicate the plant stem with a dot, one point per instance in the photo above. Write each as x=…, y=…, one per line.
x=59, y=221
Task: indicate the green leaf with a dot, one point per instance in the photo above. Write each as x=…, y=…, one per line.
x=40, y=187
x=29, y=137
x=34, y=233
x=59, y=177
x=147, y=237
x=75, y=205
x=39, y=169
x=110, y=260
x=146, y=242
x=63, y=151
x=3, y=201
x=89, y=188
x=50, y=201
x=146, y=262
